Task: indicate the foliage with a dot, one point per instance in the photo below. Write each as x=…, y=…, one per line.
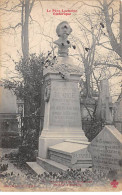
x=3, y=167
x=92, y=124
x=71, y=177
x=93, y=129
x=29, y=87
x=11, y=141
x=76, y=177
x=23, y=155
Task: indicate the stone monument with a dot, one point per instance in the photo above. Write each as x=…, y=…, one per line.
x=118, y=113
x=106, y=150
x=104, y=108
x=62, y=139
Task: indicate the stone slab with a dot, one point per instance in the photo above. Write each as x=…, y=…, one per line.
x=71, y=153
x=78, y=141
x=51, y=166
x=106, y=150
x=67, y=147
x=36, y=168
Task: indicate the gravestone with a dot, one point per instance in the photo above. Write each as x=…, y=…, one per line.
x=104, y=108
x=118, y=113
x=71, y=153
x=62, y=118
x=106, y=150
x=62, y=143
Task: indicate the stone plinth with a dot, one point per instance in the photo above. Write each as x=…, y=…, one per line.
x=106, y=150
x=71, y=153
x=62, y=119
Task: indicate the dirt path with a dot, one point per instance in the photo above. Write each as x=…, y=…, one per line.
x=11, y=167
x=17, y=180
x=15, y=176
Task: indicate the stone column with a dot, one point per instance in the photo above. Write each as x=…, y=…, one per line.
x=62, y=118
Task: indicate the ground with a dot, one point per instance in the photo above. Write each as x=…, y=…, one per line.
x=20, y=177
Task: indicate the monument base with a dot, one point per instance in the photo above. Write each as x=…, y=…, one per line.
x=64, y=155
x=71, y=153
x=55, y=138
x=44, y=144
x=51, y=166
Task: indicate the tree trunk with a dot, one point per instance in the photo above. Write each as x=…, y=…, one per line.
x=25, y=33
x=113, y=41
x=25, y=44
x=121, y=28
x=87, y=76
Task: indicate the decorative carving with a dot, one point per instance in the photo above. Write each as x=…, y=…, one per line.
x=63, y=31
x=47, y=91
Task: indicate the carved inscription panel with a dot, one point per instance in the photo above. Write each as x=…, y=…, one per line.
x=65, y=105
x=106, y=153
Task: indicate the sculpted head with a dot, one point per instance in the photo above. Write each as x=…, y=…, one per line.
x=63, y=29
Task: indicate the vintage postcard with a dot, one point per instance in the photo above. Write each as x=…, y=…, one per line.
x=60, y=96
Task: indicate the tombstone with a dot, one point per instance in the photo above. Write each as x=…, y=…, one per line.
x=106, y=150
x=71, y=153
x=104, y=108
x=62, y=143
x=62, y=119
x=118, y=113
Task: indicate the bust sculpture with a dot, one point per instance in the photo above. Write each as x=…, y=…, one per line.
x=64, y=64
x=63, y=30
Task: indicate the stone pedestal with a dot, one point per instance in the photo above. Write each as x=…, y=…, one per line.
x=62, y=118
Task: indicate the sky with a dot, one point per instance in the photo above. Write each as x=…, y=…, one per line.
x=42, y=32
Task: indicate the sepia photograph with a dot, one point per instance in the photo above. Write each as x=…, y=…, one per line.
x=60, y=96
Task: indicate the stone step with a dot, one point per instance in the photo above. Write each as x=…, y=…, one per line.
x=68, y=147
x=51, y=166
x=36, y=167
x=60, y=157
x=71, y=153
x=77, y=141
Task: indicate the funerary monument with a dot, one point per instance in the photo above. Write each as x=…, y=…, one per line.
x=62, y=141
x=106, y=150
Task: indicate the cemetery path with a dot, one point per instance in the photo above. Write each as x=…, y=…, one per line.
x=15, y=177
x=11, y=167
x=19, y=180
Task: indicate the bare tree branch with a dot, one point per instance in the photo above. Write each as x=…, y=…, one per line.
x=95, y=6
x=12, y=8
x=115, y=45
x=13, y=27
x=107, y=64
x=31, y=6
x=111, y=2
